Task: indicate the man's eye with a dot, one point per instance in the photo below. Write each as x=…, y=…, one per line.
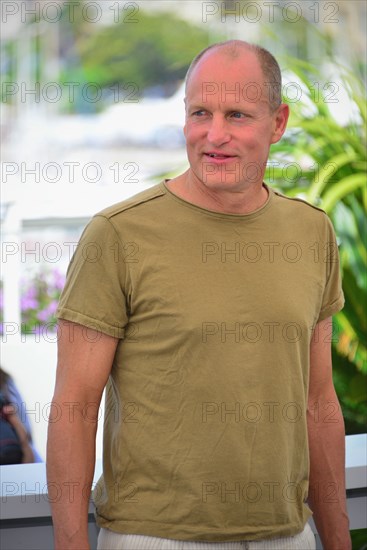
x=237, y=114
x=200, y=112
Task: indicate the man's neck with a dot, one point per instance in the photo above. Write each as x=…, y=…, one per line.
x=244, y=201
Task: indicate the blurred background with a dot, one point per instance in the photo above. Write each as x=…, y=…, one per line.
x=92, y=112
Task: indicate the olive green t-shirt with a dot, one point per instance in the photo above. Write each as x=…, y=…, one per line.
x=205, y=434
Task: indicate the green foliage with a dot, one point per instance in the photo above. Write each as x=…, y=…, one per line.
x=359, y=538
x=143, y=48
x=333, y=176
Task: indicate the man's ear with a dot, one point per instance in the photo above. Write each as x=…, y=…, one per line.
x=280, y=122
x=184, y=128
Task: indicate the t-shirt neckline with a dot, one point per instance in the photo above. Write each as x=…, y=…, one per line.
x=215, y=213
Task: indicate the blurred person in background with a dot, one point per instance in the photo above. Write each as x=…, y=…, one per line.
x=16, y=445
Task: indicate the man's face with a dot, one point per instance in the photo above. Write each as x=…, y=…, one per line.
x=229, y=123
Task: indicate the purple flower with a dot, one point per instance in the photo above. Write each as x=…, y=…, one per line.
x=40, y=299
x=59, y=280
x=29, y=298
x=42, y=316
x=37, y=329
x=28, y=303
x=30, y=290
x=47, y=313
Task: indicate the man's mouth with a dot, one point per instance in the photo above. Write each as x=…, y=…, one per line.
x=218, y=156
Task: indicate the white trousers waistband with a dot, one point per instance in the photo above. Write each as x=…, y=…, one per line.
x=109, y=540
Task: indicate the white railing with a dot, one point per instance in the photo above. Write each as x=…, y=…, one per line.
x=25, y=517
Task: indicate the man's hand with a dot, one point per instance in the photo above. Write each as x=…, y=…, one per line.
x=326, y=434
x=85, y=357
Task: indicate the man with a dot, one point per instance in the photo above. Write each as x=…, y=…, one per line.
x=209, y=318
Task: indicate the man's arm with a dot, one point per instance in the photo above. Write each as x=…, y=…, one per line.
x=85, y=358
x=326, y=434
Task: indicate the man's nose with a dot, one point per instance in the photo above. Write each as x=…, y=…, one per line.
x=218, y=132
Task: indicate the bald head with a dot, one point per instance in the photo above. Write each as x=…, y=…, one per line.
x=234, y=49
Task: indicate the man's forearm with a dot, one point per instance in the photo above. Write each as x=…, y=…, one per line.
x=327, y=497
x=70, y=468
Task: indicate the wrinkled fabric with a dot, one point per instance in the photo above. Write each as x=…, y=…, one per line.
x=205, y=432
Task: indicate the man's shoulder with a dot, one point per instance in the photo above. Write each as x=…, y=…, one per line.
x=135, y=201
x=297, y=203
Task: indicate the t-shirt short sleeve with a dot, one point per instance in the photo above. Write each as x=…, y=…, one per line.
x=333, y=297
x=94, y=294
